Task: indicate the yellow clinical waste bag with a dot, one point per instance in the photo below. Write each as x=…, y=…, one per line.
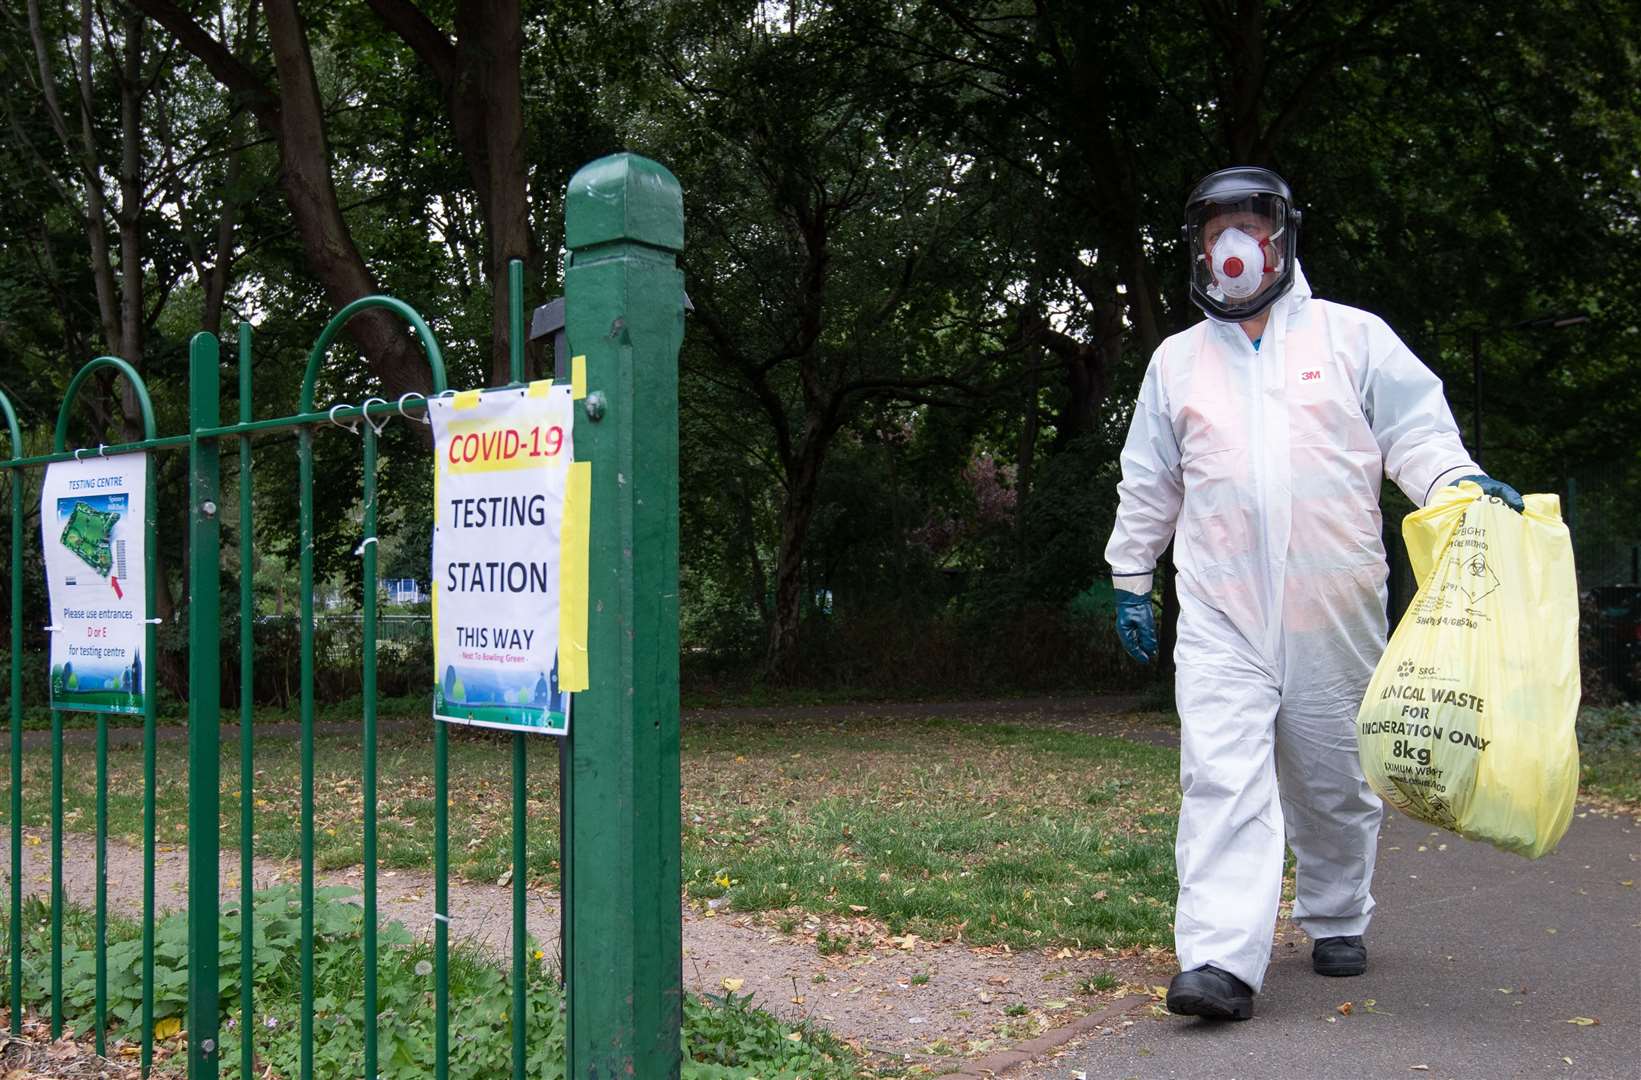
x=1468, y=722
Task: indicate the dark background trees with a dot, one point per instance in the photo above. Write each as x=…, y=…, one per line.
x=931, y=245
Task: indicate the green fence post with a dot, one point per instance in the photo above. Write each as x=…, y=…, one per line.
x=204, y=705
x=624, y=310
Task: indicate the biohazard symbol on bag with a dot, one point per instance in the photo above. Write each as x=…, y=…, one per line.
x=1468, y=721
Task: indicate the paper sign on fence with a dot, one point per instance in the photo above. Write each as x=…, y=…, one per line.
x=92, y=516
x=501, y=462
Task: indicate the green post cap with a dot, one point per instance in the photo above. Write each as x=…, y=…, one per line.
x=624, y=197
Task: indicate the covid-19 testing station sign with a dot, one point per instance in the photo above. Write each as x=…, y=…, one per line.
x=92, y=516
x=502, y=485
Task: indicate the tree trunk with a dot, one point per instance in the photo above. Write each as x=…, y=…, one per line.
x=326, y=241
x=486, y=109
x=796, y=511
x=1025, y=458
x=479, y=74
x=129, y=217
x=749, y=537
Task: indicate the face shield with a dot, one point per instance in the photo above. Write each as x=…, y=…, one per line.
x=1242, y=233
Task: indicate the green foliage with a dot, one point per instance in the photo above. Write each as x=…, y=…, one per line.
x=724, y=1037
x=931, y=247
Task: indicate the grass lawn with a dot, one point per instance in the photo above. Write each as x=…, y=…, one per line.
x=1004, y=833
x=1609, y=743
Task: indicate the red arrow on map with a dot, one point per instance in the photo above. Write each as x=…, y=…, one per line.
x=119, y=592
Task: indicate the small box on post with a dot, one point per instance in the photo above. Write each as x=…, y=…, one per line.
x=624, y=321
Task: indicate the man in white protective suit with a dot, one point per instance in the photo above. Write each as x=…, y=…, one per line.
x=1258, y=445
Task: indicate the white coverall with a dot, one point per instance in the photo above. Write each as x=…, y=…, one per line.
x=1264, y=468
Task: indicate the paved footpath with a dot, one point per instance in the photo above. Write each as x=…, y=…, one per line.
x=1478, y=960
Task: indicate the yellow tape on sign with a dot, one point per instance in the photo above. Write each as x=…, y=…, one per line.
x=578, y=377
x=540, y=388
x=572, y=579
x=467, y=399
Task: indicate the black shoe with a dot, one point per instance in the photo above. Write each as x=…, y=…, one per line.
x=1212, y=993
x=1339, y=956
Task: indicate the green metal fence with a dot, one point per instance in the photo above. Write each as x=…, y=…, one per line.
x=619, y=858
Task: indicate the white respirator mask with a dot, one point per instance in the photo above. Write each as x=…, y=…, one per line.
x=1238, y=264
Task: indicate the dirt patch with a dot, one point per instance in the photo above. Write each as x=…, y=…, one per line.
x=35, y=1056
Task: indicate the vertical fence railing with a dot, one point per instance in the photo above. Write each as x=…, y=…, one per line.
x=520, y=1015
x=14, y=924
x=247, y=736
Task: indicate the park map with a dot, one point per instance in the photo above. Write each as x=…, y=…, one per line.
x=88, y=534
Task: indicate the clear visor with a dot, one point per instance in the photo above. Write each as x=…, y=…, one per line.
x=1238, y=249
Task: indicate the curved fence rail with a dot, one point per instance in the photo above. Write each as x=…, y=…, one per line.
x=203, y=443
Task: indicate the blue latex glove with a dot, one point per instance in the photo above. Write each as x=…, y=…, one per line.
x=1136, y=625
x=1496, y=488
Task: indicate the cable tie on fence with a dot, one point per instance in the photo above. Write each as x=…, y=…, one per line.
x=102, y=449
x=352, y=429
x=421, y=419
x=153, y=622
x=78, y=450
x=366, y=542
x=51, y=629
x=364, y=410
x=441, y=918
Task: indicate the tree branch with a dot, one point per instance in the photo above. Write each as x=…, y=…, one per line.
x=431, y=45
x=219, y=60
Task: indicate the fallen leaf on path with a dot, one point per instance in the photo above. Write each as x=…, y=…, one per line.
x=1344, y=1008
x=1584, y=1021
x=1418, y=1068
x=733, y=985
x=165, y=1029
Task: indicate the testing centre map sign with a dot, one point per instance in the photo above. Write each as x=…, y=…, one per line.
x=92, y=516
x=502, y=472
